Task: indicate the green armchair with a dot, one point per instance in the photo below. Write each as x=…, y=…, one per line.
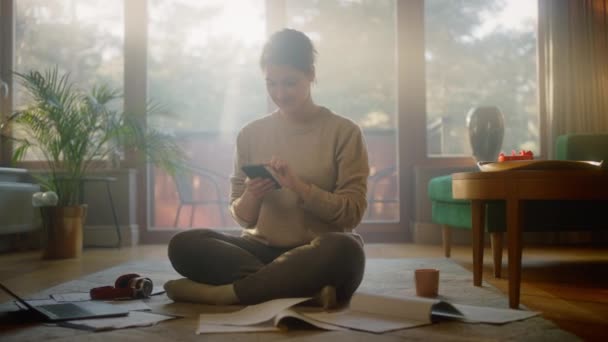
x=538, y=215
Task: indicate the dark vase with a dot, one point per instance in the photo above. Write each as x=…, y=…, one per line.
x=486, y=131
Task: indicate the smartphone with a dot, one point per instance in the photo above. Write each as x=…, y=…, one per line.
x=260, y=171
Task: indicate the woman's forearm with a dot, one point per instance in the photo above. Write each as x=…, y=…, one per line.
x=247, y=207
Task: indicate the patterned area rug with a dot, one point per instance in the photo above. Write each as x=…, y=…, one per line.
x=382, y=276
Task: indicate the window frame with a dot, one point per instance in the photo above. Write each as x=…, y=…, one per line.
x=7, y=44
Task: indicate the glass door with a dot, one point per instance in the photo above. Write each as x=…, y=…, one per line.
x=357, y=78
x=203, y=70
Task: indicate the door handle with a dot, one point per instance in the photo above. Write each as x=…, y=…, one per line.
x=3, y=89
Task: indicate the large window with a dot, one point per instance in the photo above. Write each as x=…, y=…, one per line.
x=203, y=69
x=356, y=77
x=480, y=53
x=84, y=38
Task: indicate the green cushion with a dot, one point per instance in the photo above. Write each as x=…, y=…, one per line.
x=458, y=215
x=582, y=147
x=440, y=189
x=457, y=212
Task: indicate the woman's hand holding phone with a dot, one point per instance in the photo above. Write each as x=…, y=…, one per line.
x=248, y=206
x=287, y=178
x=257, y=188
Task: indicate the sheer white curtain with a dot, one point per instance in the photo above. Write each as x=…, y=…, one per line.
x=573, y=47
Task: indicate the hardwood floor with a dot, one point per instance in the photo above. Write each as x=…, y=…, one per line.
x=569, y=285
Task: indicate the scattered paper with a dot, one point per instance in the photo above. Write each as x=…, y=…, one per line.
x=480, y=314
x=364, y=321
x=252, y=314
x=378, y=314
x=134, y=319
x=207, y=328
x=130, y=305
x=157, y=290
x=265, y=316
x=367, y=312
x=72, y=297
x=292, y=313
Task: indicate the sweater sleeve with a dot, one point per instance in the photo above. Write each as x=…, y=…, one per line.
x=345, y=205
x=237, y=179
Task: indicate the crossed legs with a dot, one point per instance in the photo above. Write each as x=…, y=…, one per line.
x=224, y=269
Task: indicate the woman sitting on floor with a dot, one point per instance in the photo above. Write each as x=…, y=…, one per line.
x=297, y=241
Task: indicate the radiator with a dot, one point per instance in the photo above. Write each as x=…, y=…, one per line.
x=16, y=211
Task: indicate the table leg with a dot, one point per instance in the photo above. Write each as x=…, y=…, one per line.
x=515, y=250
x=496, y=243
x=478, y=223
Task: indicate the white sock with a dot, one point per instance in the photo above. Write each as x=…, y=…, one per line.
x=186, y=290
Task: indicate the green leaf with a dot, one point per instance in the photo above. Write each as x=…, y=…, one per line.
x=72, y=128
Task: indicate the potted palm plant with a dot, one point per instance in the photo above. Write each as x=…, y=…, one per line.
x=75, y=131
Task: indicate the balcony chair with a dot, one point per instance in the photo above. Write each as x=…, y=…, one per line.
x=199, y=187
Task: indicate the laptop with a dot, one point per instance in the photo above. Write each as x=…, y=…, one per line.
x=70, y=311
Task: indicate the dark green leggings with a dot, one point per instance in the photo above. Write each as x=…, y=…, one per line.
x=260, y=272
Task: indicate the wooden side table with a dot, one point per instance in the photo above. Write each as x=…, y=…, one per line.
x=515, y=188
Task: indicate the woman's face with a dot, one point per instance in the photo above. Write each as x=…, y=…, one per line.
x=288, y=87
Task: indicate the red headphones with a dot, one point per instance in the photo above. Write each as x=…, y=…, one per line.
x=130, y=285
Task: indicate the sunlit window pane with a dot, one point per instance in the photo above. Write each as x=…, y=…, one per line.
x=480, y=53
x=203, y=68
x=82, y=37
x=356, y=77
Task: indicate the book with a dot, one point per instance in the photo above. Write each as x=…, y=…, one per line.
x=366, y=312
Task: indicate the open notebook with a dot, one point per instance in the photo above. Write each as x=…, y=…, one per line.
x=366, y=312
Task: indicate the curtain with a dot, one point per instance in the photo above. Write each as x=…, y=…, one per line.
x=573, y=53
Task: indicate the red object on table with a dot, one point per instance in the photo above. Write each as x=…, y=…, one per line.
x=523, y=155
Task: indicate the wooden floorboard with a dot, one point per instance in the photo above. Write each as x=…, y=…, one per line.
x=569, y=285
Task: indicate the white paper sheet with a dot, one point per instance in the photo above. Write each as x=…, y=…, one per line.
x=367, y=312
x=480, y=314
x=257, y=318
x=292, y=313
x=130, y=305
x=411, y=308
x=204, y=328
x=253, y=314
x=134, y=319
x=378, y=314
x=364, y=321
x=71, y=297
x=157, y=290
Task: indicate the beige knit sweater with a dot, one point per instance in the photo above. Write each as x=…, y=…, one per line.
x=329, y=152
